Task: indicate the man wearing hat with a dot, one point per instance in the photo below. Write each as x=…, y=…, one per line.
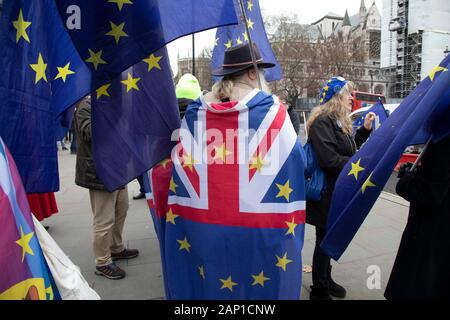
x=239, y=75
x=233, y=211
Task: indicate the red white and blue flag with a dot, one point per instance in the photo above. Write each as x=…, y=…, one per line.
x=229, y=205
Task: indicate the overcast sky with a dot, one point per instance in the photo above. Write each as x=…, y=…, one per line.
x=308, y=11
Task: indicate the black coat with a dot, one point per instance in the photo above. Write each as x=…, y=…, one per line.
x=422, y=266
x=333, y=149
x=295, y=119
x=182, y=106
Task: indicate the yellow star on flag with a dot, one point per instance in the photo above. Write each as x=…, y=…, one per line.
x=164, y=162
x=49, y=291
x=250, y=23
x=228, y=283
x=131, y=83
x=201, y=271
x=245, y=34
x=216, y=42
x=285, y=190
x=221, y=153
x=259, y=279
x=238, y=40
x=356, y=168
x=173, y=185
x=95, y=58
x=170, y=217
x=120, y=3
x=21, y=26
x=249, y=5
x=291, y=227
x=117, y=31
x=153, y=62
x=103, y=91
x=367, y=184
x=228, y=44
x=184, y=244
x=436, y=70
x=257, y=163
x=282, y=262
x=39, y=68
x=24, y=242
x=64, y=72
x=188, y=161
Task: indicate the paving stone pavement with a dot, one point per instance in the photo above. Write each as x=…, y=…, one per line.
x=373, y=248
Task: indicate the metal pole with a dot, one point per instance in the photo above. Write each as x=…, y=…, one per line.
x=420, y=156
x=304, y=121
x=252, y=52
x=193, y=54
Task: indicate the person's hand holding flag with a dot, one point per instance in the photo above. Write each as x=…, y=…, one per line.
x=368, y=120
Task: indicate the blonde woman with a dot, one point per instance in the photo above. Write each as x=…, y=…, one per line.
x=330, y=133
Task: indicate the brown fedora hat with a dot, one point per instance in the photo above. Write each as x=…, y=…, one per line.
x=239, y=58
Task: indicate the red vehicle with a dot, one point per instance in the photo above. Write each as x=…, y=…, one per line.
x=360, y=98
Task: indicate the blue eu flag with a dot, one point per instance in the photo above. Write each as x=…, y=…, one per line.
x=41, y=74
x=49, y=64
x=366, y=173
x=136, y=112
x=226, y=37
x=380, y=116
x=117, y=34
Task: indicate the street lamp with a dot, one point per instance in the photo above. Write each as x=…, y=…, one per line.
x=371, y=73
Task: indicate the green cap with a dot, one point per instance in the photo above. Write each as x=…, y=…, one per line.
x=188, y=87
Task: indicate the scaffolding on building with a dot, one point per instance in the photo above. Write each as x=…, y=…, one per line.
x=413, y=61
x=409, y=54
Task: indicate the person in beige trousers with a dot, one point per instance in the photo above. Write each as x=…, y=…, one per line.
x=109, y=208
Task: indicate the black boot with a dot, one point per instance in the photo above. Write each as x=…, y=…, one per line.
x=319, y=293
x=335, y=289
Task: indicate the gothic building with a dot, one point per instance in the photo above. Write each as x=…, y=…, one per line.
x=333, y=45
x=363, y=28
x=202, y=70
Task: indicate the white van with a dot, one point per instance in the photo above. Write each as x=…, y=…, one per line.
x=388, y=107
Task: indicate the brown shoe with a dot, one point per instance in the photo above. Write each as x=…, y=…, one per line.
x=111, y=271
x=125, y=254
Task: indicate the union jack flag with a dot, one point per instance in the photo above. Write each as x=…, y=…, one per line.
x=229, y=205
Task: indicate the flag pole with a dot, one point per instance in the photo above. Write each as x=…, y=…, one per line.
x=304, y=122
x=252, y=51
x=193, y=54
x=420, y=156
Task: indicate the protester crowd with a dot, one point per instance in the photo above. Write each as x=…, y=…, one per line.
x=244, y=92
x=333, y=141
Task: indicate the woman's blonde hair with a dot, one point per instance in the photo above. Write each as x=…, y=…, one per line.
x=223, y=89
x=336, y=109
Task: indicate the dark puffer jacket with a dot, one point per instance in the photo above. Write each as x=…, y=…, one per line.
x=85, y=174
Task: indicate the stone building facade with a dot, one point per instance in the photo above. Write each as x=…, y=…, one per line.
x=202, y=70
x=365, y=26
